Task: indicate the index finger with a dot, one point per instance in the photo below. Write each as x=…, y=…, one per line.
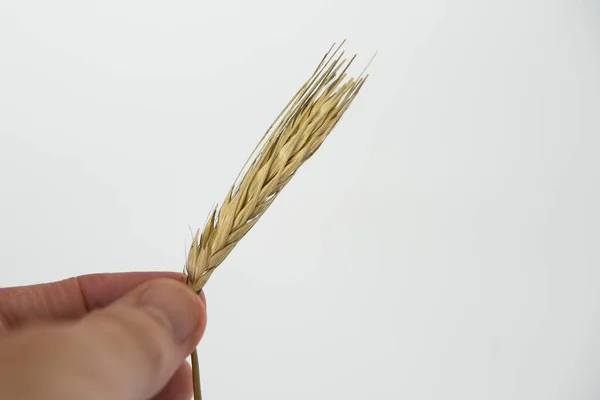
x=70, y=298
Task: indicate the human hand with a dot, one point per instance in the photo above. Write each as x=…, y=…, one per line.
x=105, y=336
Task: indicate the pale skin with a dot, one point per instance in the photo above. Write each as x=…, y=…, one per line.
x=103, y=336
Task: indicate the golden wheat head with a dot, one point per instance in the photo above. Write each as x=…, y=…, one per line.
x=292, y=138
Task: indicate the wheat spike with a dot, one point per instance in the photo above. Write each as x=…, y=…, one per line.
x=293, y=138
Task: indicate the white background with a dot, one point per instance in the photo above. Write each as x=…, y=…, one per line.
x=443, y=243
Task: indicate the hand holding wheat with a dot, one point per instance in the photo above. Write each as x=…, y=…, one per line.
x=124, y=336
x=102, y=336
x=295, y=135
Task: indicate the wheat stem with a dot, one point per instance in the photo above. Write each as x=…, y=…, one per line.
x=196, y=376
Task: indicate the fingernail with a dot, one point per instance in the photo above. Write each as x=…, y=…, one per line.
x=174, y=303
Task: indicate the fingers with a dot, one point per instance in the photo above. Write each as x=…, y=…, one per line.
x=128, y=350
x=180, y=385
x=68, y=299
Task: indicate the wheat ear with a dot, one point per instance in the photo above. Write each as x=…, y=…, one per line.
x=294, y=136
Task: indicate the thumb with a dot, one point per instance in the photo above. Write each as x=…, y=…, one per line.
x=127, y=351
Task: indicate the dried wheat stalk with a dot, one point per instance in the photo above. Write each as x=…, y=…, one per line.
x=292, y=138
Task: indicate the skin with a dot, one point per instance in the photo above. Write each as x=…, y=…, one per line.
x=102, y=336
